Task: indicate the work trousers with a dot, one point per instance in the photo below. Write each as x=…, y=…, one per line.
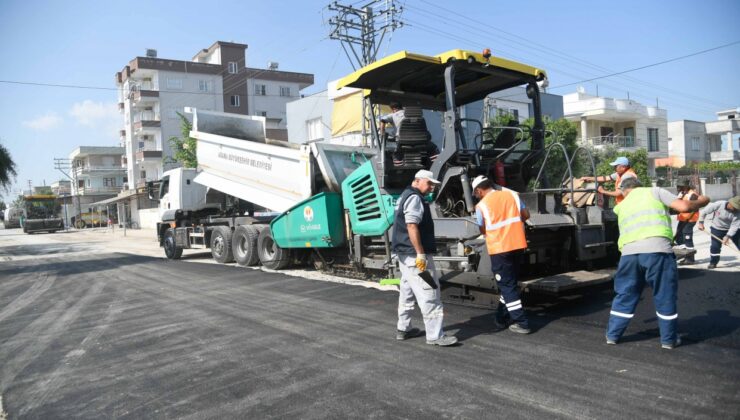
x=412, y=288
x=685, y=234
x=659, y=271
x=505, y=268
x=716, y=246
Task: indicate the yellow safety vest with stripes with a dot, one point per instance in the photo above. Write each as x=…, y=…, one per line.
x=641, y=216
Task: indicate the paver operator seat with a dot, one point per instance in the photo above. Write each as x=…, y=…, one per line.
x=412, y=140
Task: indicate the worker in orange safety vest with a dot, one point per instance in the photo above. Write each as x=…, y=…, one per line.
x=684, y=236
x=501, y=215
x=622, y=170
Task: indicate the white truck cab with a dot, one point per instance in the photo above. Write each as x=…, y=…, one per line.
x=179, y=191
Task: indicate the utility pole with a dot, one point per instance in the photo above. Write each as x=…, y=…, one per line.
x=64, y=166
x=355, y=28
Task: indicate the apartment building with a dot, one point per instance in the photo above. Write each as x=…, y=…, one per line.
x=623, y=123
x=695, y=141
x=723, y=136
x=152, y=91
x=97, y=172
x=61, y=188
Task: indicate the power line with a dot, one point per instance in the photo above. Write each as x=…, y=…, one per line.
x=670, y=60
x=680, y=96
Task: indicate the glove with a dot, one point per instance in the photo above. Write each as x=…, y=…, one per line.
x=421, y=262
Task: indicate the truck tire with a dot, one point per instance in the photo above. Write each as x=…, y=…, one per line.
x=80, y=224
x=221, y=244
x=171, y=250
x=244, y=245
x=271, y=255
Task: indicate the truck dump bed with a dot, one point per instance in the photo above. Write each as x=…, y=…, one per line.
x=236, y=158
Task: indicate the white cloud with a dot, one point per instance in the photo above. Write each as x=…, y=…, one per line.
x=92, y=114
x=44, y=122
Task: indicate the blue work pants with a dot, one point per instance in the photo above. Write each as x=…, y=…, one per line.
x=659, y=271
x=685, y=234
x=505, y=268
x=716, y=246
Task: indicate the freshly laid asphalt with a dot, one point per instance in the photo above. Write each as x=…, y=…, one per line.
x=86, y=334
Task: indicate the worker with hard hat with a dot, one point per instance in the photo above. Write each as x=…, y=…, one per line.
x=645, y=237
x=501, y=215
x=622, y=170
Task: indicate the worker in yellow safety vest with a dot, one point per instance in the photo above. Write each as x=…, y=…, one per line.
x=645, y=237
x=501, y=215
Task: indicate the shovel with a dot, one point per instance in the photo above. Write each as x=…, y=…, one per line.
x=427, y=277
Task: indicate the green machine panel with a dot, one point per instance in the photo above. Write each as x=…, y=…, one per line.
x=370, y=212
x=316, y=222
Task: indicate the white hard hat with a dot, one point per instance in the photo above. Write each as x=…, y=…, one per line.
x=478, y=179
x=424, y=174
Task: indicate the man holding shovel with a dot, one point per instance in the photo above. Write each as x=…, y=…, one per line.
x=725, y=226
x=684, y=236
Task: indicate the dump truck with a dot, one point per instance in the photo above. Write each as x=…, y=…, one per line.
x=262, y=201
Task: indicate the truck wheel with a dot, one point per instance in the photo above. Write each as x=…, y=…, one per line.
x=244, y=245
x=171, y=250
x=271, y=255
x=80, y=224
x=221, y=244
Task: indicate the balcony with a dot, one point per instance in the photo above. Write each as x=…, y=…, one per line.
x=122, y=133
x=81, y=171
x=148, y=155
x=98, y=190
x=146, y=95
x=725, y=155
x=722, y=126
x=620, y=142
x=124, y=162
x=146, y=120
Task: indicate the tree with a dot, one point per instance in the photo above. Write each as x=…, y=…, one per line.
x=7, y=168
x=185, y=147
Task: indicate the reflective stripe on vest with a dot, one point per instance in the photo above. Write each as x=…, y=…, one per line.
x=641, y=216
x=688, y=217
x=618, y=199
x=505, y=229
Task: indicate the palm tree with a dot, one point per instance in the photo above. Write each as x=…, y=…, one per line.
x=7, y=168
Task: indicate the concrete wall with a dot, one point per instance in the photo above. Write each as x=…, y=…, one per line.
x=148, y=218
x=304, y=110
x=272, y=103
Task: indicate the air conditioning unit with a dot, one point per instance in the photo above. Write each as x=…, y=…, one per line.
x=151, y=53
x=272, y=65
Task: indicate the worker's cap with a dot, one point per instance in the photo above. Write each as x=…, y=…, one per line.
x=424, y=174
x=621, y=161
x=478, y=179
x=735, y=201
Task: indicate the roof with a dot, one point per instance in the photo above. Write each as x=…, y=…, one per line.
x=416, y=78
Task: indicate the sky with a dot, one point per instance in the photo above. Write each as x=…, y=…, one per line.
x=85, y=43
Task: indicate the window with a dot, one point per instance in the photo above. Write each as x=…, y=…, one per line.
x=511, y=113
x=141, y=145
x=143, y=174
x=109, y=182
x=173, y=83
x=260, y=90
x=233, y=69
x=235, y=101
x=203, y=86
x=164, y=187
x=629, y=137
x=284, y=90
x=88, y=183
x=695, y=144
x=313, y=129
x=652, y=139
x=81, y=183
x=262, y=113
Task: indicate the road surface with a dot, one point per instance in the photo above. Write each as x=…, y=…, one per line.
x=90, y=333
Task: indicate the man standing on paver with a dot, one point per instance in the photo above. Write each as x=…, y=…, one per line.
x=501, y=216
x=413, y=244
x=622, y=171
x=645, y=237
x=684, y=236
x=725, y=226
